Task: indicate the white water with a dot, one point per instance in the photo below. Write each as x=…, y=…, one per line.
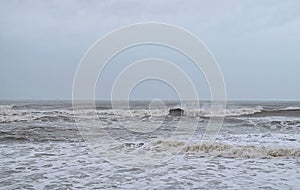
x=42, y=149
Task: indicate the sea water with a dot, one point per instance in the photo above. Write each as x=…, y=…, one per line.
x=41, y=146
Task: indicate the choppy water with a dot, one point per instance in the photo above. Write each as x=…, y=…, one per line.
x=258, y=147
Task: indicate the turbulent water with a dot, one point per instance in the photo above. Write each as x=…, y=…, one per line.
x=258, y=146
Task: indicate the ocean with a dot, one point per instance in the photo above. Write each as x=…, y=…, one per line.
x=43, y=145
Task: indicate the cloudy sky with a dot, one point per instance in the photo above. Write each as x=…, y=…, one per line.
x=255, y=42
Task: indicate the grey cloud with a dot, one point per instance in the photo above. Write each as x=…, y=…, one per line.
x=255, y=42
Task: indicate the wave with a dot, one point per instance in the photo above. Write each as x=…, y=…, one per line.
x=38, y=116
x=19, y=113
x=41, y=133
x=203, y=112
x=291, y=108
x=277, y=112
x=24, y=139
x=257, y=111
x=233, y=151
x=18, y=139
x=228, y=112
x=4, y=108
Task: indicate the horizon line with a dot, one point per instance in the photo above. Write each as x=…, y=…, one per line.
x=148, y=100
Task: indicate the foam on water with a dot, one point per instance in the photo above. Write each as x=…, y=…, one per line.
x=41, y=148
x=28, y=112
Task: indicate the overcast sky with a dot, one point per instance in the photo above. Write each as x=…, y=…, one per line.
x=255, y=42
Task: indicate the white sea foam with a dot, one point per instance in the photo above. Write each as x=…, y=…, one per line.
x=6, y=107
x=10, y=114
x=231, y=151
x=228, y=112
x=292, y=108
x=191, y=112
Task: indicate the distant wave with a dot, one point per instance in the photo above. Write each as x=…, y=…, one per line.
x=228, y=112
x=285, y=112
x=257, y=111
x=21, y=113
x=236, y=112
x=6, y=107
x=291, y=108
x=9, y=116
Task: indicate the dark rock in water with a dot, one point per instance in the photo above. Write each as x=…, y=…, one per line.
x=134, y=145
x=176, y=112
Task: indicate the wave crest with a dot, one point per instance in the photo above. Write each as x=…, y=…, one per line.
x=232, y=151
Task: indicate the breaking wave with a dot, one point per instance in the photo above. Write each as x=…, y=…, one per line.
x=21, y=113
x=228, y=112
x=233, y=151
